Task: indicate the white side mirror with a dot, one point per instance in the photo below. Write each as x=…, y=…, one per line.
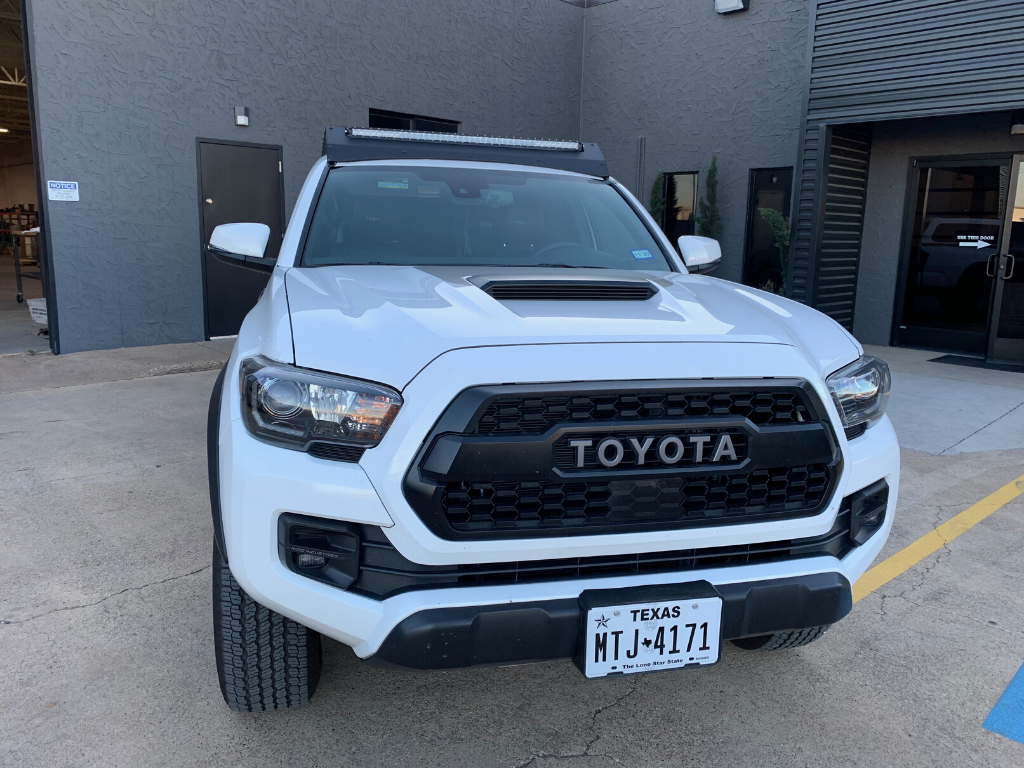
x=700, y=254
x=245, y=240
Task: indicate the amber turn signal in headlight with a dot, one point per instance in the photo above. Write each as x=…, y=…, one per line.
x=293, y=407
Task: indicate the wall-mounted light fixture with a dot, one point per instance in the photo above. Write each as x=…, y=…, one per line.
x=4, y=130
x=242, y=116
x=1017, y=124
x=729, y=6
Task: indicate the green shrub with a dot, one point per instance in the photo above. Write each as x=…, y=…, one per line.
x=657, y=207
x=709, y=222
x=780, y=228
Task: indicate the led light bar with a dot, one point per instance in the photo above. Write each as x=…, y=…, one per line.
x=356, y=145
x=455, y=138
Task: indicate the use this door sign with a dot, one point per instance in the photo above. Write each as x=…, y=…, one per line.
x=975, y=241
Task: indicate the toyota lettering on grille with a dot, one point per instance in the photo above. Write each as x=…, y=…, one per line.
x=653, y=450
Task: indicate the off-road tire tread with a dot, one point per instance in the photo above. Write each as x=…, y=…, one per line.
x=781, y=640
x=264, y=660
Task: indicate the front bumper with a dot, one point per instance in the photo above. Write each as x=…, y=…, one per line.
x=447, y=638
x=259, y=482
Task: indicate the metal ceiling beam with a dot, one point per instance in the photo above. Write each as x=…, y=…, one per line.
x=12, y=76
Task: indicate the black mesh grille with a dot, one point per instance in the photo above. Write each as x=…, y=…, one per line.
x=533, y=414
x=687, y=501
x=499, y=462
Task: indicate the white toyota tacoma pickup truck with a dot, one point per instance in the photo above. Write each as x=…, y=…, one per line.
x=486, y=413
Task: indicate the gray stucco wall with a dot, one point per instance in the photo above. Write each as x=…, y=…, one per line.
x=125, y=87
x=695, y=83
x=892, y=147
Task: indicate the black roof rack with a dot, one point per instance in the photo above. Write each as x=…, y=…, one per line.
x=351, y=144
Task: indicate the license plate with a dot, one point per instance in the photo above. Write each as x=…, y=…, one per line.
x=653, y=635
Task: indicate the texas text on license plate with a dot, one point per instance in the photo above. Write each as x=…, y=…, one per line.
x=651, y=635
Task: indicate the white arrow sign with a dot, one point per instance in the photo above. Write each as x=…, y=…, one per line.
x=976, y=244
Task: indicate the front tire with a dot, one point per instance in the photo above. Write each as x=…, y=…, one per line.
x=781, y=640
x=264, y=660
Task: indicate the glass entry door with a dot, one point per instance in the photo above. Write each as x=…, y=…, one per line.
x=1006, y=343
x=949, y=272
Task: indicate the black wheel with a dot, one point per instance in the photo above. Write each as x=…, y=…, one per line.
x=264, y=660
x=781, y=640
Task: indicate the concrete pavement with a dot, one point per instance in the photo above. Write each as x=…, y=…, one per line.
x=107, y=639
x=940, y=408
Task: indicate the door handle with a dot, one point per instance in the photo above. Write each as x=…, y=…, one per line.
x=1010, y=265
x=990, y=268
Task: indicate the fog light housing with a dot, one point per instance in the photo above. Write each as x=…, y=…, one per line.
x=309, y=559
x=318, y=548
x=867, y=511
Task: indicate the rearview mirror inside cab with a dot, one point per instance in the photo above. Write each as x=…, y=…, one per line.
x=700, y=254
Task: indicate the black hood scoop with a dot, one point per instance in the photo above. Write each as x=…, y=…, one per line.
x=566, y=289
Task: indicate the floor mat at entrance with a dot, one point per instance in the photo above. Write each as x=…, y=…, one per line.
x=974, y=362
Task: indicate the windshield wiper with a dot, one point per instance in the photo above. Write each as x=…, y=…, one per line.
x=566, y=266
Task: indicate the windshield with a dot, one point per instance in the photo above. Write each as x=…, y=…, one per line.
x=432, y=216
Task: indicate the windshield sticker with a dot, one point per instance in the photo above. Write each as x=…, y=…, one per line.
x=642, y=253
x=429, y=191
x=393, y=184
x=496, y=197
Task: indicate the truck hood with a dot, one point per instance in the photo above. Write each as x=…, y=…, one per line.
x=385, y=323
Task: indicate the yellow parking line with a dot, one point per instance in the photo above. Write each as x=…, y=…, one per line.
x=933, y=541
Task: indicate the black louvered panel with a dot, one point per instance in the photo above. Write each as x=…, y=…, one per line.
x=842, y=221
x=900, y=58
x=804, y=212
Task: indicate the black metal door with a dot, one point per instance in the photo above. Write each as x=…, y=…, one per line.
x=237, y=183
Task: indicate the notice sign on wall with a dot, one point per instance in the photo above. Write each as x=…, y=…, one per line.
x=62, y=190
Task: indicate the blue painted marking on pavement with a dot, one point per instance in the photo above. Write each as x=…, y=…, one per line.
x=1007, y=716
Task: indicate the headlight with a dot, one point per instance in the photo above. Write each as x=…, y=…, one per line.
x=293, y=407
x=860, y=391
